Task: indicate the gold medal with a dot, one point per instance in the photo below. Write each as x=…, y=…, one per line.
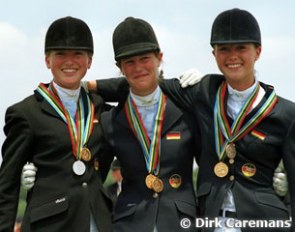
x=149, y=180
x=248, y=169
x=157, y=185
x=85, y=154
x=230, y=150
x=175, y=181
x=221, y=169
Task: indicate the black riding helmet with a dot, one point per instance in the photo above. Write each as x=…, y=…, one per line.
x=133, y=37
x=235, y=26
x=68, y=33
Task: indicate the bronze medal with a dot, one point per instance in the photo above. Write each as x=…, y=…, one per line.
x=149, y=180
x=157, y=185
x=248, y=169
x=85, y=154
x=175, y=181
x=79, y=167
x=230, y=150
x=221, y=169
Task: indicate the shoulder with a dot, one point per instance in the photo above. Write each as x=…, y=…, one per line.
x=26, y=103
x=96, y=99
x=283, y=104
x=211, y=80
x=286, y=105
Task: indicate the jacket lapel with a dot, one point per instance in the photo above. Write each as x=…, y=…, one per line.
x=172, y=115
x=46, y=107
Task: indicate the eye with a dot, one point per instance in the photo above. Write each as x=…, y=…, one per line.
x=127, y=61
x=145, y=58
x=241, y=47
x=79, y=53
x=223, y=48
x=60, y=53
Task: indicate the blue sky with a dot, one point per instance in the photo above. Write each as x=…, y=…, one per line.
x=183, y=30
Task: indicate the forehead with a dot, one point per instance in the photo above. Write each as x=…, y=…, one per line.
x=235, y=45
x=68, y=52
x=138, y=56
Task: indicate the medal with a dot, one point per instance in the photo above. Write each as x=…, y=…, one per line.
x=175, y=181
x=230, y=150
x=85, y=154
x=248, y=170
x=149, y=180
x=79, y=167
x=221, y=169
x=150, y=147
x=157, y=185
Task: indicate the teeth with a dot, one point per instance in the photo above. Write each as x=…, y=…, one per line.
x=233, y=65
x=69, y=70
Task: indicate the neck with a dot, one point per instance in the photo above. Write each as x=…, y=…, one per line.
x=241, y=86
x=146, y=100
x=67, y=92
x=143, y=93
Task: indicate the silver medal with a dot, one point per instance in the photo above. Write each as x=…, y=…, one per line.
x=79, y=167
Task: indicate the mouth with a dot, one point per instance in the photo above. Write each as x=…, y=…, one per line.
x=69, y=70
x=233, y=66
x=140, y=76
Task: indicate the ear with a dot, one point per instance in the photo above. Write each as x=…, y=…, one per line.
x=159, y=56
x=47, y=61
x=89, y=62
x=258, y=52
x=213, y=52
x=118, y=64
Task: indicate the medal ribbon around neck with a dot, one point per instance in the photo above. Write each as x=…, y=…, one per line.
x=151, y=149
x=79, y=130
x=225, y=134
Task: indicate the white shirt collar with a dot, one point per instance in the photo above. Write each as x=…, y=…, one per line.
x=67, y=94
x=241, y=95
x=148, y=100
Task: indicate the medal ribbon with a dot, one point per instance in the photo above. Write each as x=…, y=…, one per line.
x=79, y=130
x=225, y=134
x=151, y=148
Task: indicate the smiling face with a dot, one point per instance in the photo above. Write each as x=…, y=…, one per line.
x=236, y=62
x=141, y=72
x=68, y=67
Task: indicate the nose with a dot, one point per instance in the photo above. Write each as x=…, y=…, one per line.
x=233, y=54
x=138, y=66
x=69, y=59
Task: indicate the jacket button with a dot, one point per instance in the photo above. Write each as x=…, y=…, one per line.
x=84, y=185
x=231, y=178
x=155, y=195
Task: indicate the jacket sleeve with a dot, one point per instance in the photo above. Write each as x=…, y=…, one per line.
x=113, y=89
x=15, y=151
x=185, y=98
x=289, y=163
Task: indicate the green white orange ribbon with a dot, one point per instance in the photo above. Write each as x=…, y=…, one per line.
x=224, y=133
x=151, y=148
x=79, y=129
